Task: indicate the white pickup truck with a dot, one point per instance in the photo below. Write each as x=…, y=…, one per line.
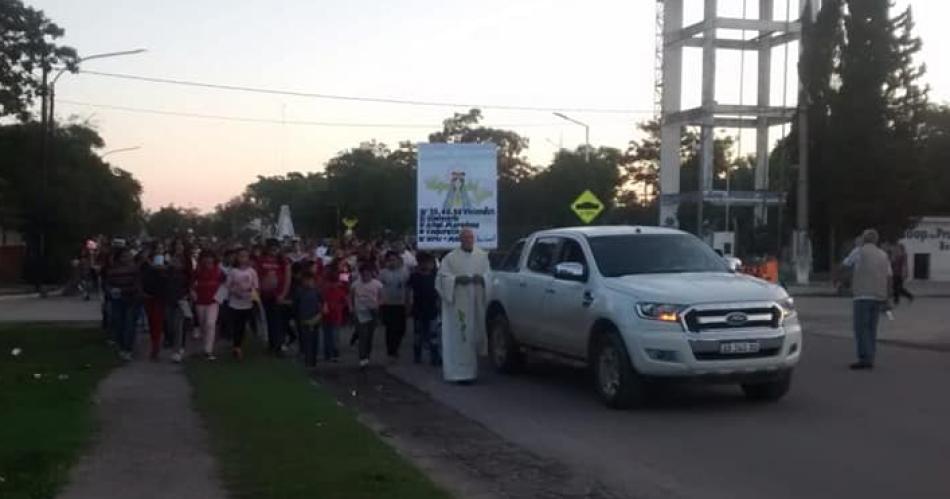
x=639, y=305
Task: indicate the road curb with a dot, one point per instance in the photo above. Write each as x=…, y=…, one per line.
x=913, y=345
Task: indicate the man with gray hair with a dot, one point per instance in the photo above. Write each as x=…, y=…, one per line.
x=870, y=285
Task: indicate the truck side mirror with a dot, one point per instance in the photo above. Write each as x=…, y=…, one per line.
x=734, y=263
x=570, y=271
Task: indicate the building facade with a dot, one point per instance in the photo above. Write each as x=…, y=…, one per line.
x=928, y=249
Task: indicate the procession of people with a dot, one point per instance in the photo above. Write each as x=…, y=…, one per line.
x=299, y=297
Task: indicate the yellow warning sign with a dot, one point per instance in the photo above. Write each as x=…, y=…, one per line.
x=587, y=207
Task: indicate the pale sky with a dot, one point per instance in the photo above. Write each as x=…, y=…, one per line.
x=544, y=53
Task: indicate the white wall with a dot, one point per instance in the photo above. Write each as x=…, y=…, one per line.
x=930, y=236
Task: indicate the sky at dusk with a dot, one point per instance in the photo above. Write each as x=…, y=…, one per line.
x=541, y=53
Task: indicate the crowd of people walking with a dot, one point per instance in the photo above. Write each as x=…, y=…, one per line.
x=298, y=296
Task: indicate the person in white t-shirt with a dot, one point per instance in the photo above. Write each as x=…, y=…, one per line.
x=365, y=298
x=242, y=285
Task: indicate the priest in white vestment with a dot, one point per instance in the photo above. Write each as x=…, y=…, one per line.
x=462, y=283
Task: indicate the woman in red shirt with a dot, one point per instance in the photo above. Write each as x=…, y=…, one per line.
x=204, y=288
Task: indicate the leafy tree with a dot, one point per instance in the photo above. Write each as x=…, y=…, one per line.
x=27, y=49
x=85, y=195
x=375, y=186
x=232, y=219
x=935, y=158
x=462, y=129
x=569, y=175
x=172, y=221
x=871, y=150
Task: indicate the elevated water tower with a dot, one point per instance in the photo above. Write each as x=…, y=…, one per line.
x=713, y=34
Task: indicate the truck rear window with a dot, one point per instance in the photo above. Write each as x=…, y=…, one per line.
x=653, y=254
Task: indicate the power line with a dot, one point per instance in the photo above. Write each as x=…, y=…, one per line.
x=246, y=119
x=379, y=100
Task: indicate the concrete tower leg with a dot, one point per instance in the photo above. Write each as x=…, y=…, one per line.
x=671, y=133
x=762, y=123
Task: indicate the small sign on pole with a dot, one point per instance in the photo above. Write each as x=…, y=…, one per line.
x=587, y=206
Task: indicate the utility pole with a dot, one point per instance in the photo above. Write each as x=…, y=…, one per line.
x=48, y=128
x=40, y=263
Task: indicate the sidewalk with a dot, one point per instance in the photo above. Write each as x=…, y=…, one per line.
x=922, y=289
x=921, y=324
x=151, y=442
x=30, y=308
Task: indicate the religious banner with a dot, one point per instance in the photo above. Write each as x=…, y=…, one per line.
x=456, y=188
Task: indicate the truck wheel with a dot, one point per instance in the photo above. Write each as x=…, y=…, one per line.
x=616, y=382
x=770, y=391
x=503, y=349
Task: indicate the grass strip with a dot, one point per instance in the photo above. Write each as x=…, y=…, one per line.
x=278, y=435
x=47, y=378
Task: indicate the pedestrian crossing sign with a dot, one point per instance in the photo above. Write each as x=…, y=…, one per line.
x=587, y=207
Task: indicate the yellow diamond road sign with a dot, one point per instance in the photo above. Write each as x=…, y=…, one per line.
x=587, y=207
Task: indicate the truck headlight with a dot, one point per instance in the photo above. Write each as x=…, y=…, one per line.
x=787, y=306
x=663, y=312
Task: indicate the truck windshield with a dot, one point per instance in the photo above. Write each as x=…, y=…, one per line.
x=653, y=254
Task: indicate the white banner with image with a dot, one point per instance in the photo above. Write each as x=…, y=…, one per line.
x=456, y=188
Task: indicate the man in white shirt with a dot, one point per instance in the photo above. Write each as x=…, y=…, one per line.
x=870, y=285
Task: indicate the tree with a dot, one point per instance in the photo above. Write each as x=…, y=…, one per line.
x=569, y=175
x=935, y=158
x=86, y=196
x=172, y=221
x=461, y=128
x=26, y=47
x=874, y=125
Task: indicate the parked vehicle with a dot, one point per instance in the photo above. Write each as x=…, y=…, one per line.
x=639, y=305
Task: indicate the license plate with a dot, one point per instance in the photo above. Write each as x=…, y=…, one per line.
x=735, y=347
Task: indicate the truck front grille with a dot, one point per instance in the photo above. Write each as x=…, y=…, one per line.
x=716, y=319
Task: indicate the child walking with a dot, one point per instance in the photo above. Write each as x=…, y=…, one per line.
x=204, y=289
x=425, y=310
x=366, y=295
x=335, y=296
x=395, y=298
x=308, y=307
x=242, y=285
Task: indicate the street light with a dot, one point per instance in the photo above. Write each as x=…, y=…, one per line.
x=52, y=86
x=586, y=133
x=48, y=127
x=124, y=149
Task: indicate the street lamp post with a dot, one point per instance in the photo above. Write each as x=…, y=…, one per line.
x=52, y=85
x=48, y=127
x=114, y=151
x=586, y=133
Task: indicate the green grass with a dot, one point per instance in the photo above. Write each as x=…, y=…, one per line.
x=46, y=422
x=276, y=435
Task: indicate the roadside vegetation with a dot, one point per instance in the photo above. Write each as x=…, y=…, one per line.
x=277, y=435
x=47, y=378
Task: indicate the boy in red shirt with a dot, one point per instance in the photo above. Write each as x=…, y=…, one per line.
x=336, y=293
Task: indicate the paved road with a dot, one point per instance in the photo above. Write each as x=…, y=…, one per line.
x=880, y=434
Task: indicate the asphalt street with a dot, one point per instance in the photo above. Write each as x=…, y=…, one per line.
x=839, y=433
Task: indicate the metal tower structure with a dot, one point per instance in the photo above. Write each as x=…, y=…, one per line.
x=711, y=114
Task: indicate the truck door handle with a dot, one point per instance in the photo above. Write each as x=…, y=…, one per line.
x=588, y=299
x=522, y=284
x=549, y=291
